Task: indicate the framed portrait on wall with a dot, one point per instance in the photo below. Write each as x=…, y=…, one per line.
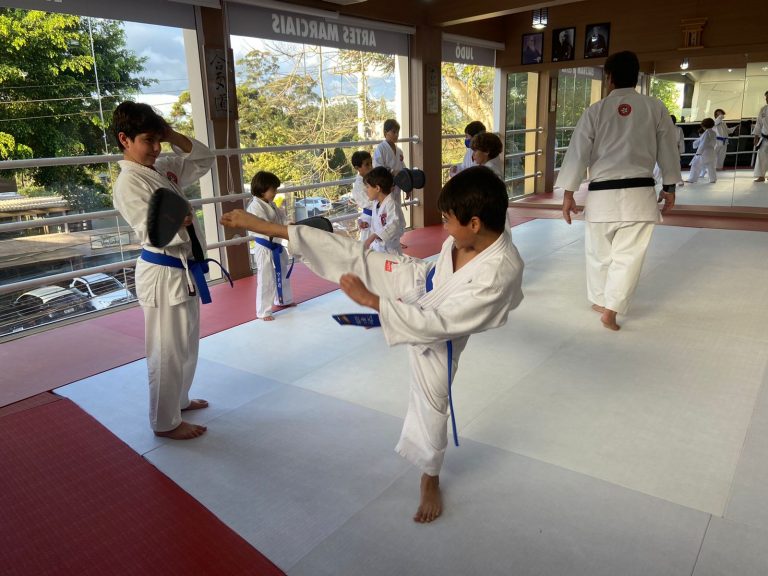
x=562, y=44
x=596, y=40
x=533, y=45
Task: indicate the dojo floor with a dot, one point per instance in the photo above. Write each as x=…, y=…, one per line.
x=583, y=451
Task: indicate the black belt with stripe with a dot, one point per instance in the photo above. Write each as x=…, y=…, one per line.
x=623, y=183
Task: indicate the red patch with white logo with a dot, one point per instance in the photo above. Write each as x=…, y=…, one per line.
x=383, y=218
x=172, y=177
x=389, y=265
x=625, y=110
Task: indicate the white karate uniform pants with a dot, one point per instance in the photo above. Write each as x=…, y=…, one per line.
x=172, y=337
x=761, y=160
x=615, y=253
x=266, y=285
x=424, y=437
x=720, y=150
x=701, y=163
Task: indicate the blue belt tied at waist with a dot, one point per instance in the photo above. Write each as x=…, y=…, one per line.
x=722, y=138
x=367, y=211
x=198, y=268
x=277, y=250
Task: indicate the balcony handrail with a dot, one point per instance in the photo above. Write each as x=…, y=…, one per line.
x=107, y=158
x=539, y=130
x=63, y=276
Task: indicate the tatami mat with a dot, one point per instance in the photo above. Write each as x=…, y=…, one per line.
x=584, y=451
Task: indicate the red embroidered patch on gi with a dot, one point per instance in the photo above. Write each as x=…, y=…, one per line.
x=172, y=177
x=383, y=218
x=389, y=265
x=625, y=110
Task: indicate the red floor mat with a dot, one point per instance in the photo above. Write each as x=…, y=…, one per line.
x=76, y=500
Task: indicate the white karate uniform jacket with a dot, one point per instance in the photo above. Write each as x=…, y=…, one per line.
x=615, y=146
x=761, y=129
x=383, y=155
x=467, y=162
x=386, y=224
x=476, y=298
x=360, y=196
x=496, y=164
x=266, y=281
x=705, y=158
x=171, y=314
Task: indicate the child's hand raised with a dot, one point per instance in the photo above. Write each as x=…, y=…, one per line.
x=236, y=218
x=353, y=287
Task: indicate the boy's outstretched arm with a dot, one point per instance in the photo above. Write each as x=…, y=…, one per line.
x=242, y=219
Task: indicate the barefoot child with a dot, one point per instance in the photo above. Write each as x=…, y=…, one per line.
x=164, y=286
x=273, y=285
x=386, y=226
x=362, y=163
x=433, y=308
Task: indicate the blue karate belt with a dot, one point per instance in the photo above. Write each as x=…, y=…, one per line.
x=367, y=211
x=198, y=268
x=722, y=138
x=276, y=249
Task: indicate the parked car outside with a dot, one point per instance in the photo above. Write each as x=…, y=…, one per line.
x=315, y=205
x=50, y=303
x=102, y=290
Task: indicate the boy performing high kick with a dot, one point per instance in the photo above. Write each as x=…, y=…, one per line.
x=433, y=308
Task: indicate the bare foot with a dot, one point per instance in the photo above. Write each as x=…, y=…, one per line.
x=197, y=404
x=761, y=179
x=267, y=318
x=609, y=319
x=597, y=308
x=184, y=431
x=431, y=505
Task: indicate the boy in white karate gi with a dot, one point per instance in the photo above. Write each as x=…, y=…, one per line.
x=486, y=150
x=477, y=281
x=619, y=139
x=273, y=285
x=386, y=228
x=705, y=159
x=722, y=132
x=389, y=155
x=167, y=295
x=362, y=163
x=760, y=133
x=470, y=131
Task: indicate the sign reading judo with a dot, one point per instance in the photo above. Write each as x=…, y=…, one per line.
x=305, y=29
x=462, y=53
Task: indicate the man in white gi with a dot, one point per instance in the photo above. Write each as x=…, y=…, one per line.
x=619, y=139
x=477, y=281
x=760, y=132
x=168, y=295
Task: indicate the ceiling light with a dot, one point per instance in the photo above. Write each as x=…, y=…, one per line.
x=684, y=64
x=540, y=18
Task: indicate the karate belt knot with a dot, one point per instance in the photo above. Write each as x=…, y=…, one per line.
x=277, y=250
x=198, y=269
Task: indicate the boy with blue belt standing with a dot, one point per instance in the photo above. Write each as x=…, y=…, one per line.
x=167, y=293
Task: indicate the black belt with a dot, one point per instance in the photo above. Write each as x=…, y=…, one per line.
x=623, y=183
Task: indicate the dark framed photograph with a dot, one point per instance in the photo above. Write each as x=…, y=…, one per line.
x=596, y=42
x=562, y=44
x=533, y=48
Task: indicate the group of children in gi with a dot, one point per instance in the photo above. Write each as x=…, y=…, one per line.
x=432, y=308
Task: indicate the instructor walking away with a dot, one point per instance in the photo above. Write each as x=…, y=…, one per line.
x=620, y=139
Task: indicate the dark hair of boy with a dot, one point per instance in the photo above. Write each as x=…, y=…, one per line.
x=487, y=142
x=674, y=118
x=719, y=110
x=708, y=123
x=263, y=181
x=390, y=125
x=476, y=191
x=359, y=157
x=474, y=128
x=624, y=68
x=133, y=118
x=381, y=177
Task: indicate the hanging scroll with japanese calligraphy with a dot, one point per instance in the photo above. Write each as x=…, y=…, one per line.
x=220, y=73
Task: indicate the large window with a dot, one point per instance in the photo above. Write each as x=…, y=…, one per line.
x=577, y=89
x=521, y=133
x=63, y=75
